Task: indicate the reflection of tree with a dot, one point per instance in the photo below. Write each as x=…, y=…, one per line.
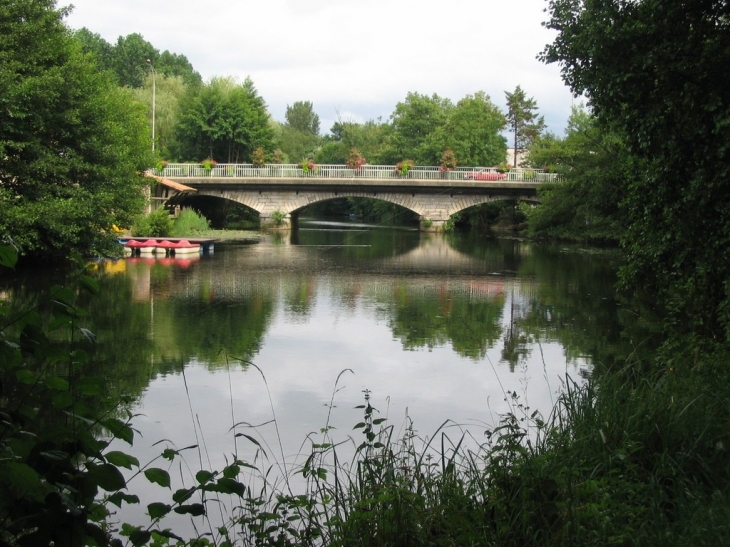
x=419, y=319
x=299, y=295
x=576, y=304
x=211, y=330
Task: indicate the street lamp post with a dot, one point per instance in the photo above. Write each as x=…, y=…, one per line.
x=154, y=90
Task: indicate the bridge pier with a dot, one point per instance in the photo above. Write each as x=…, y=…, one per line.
x=431, y=225
x=277, y=221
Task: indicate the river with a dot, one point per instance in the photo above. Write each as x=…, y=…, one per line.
x=280, y=337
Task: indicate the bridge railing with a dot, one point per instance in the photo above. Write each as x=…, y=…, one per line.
x=418, y=172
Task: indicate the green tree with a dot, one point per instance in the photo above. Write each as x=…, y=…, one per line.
x=367, y=137
x=595, y=166
x=412, y=123
x=130, y=57
x=650, y=69
x=471, y=131
x=299, y=139
x=301, y=116
x=225, y=121
x=72, y=144
x=524, y=122
x=169, y=92
x=93, y=43
x=176, y=64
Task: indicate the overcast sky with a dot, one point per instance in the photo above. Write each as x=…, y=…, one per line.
x=352, y=58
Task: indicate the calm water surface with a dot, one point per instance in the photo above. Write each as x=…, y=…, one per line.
x=281, y=336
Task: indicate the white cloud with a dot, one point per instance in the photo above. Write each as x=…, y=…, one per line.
x=355, y=56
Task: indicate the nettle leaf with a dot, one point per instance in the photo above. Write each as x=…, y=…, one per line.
x=158, y=476
x=26, y=376
x=8, y=256
x=22, y=476
x=97, y=534
x=158, y=510
x=60, y=323
x=90, y=284
x=203, y=476
x=232, y=471
x=56, y=383
x=225, y=485
x=169, y=454
x=183, y=494
x=118, y=497
x=120, y=459
x=90, y=387
x=119, y=429
x=62, y=400
x=140, y=537
x=167, y=534
x=107, y=476
x=80, y=356
x=195, y=509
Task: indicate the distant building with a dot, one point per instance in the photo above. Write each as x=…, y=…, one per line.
x=522, y=157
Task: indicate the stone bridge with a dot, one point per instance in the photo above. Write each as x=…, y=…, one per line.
x=434, y=200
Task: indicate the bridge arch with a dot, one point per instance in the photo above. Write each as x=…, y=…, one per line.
x=434, y=210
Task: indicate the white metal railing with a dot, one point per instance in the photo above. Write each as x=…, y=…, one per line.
x=418, y=172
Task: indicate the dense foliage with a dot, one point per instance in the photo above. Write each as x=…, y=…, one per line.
x=650, y=70
x=72, y=143
x=595, y=168
x=132, y=58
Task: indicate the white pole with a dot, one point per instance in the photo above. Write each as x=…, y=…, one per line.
x=154, y=90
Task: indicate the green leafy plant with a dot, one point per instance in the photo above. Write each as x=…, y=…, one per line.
x=309, y=167
x=189, y=223
x=402, y=167
x=161, y=164
x=277, y=157
x=156, y=224
x=355, y=159
x=278, y=217
x=208, y=164
x=448, y=161
x=258, y=158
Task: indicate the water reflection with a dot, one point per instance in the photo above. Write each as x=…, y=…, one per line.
x=436, y=327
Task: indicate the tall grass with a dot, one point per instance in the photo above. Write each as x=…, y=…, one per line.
x=622, y=460
x=189, y=223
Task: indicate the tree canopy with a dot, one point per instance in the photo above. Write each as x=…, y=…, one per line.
x=593, y=162
x=651, y=69
x=301, y=116
x=73, y=144
x=524, y=122
x=132, y=59
x=471, y=130
x=225, y=121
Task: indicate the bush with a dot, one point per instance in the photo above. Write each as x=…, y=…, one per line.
x=156, y=224
x=189, y=223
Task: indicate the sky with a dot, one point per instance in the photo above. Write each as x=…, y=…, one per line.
x=353, y=59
